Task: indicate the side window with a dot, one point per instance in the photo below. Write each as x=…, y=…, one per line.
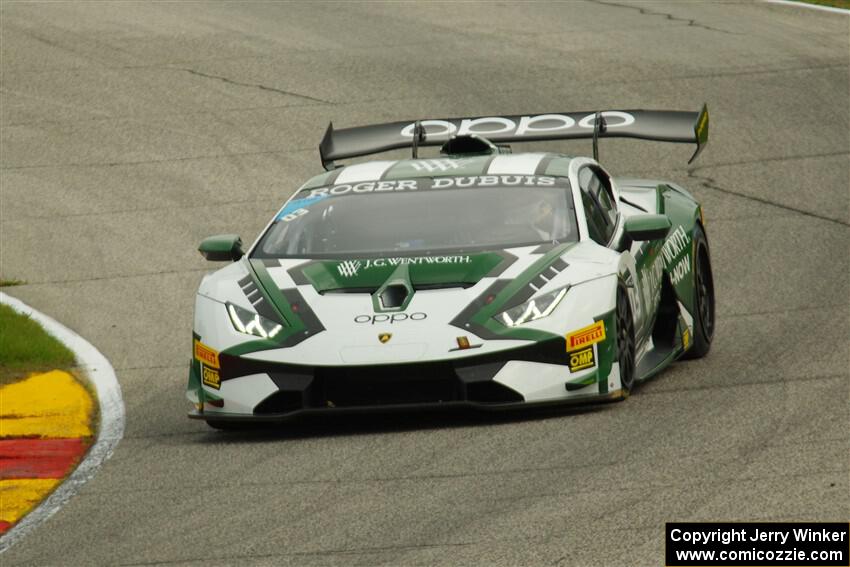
x=598, y=206
x=595, y=222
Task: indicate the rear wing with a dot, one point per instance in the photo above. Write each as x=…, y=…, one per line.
x=659, y=125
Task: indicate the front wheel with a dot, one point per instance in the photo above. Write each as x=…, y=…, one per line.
x=625, y=341
x=703, y=297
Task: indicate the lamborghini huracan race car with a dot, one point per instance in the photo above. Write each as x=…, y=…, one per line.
x=480, y=277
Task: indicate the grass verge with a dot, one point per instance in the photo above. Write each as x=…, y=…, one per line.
x=25, y=347
x=10, y=283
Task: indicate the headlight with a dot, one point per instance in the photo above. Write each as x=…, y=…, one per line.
x=533, y=309
x=250, y=323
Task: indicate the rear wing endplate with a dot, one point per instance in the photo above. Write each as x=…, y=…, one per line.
x=659, y=125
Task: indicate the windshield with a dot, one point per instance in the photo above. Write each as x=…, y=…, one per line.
x=444, y=214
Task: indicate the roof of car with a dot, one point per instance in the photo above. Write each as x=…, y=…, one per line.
x=445, y=166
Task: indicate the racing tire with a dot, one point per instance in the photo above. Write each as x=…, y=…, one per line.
x=625, y=329
x=704, y=320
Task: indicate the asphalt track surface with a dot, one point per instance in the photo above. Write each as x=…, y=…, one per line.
x=132, y=131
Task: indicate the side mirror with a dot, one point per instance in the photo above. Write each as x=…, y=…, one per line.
x=647, y=227
x=222, y=248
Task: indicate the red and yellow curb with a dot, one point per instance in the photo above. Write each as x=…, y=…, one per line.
x=45, y=430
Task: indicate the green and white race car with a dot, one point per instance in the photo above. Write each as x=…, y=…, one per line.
x=479, y=277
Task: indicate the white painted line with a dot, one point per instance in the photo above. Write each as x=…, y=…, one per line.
x=811, y=6
x=100, y=373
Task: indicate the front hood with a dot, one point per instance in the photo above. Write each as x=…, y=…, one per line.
x=585, y=260
x=368, y=274
x=330, y=308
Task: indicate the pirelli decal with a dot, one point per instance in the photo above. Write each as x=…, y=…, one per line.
x=586, y=336
x=208, y=356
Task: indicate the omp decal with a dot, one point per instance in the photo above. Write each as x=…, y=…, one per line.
x=370, y=171
x=206, y=355
x=586, y=336
x=210, y=377
x=525, y=164
x=582, y=359
x=526, y=125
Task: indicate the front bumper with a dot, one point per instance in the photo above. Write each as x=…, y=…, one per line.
x=613, y=396
x=537, y=373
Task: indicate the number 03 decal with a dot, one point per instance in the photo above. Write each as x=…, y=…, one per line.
x=293, y=215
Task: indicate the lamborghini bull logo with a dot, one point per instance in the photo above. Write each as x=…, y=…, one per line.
x=527, y=125
x=384, y=338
